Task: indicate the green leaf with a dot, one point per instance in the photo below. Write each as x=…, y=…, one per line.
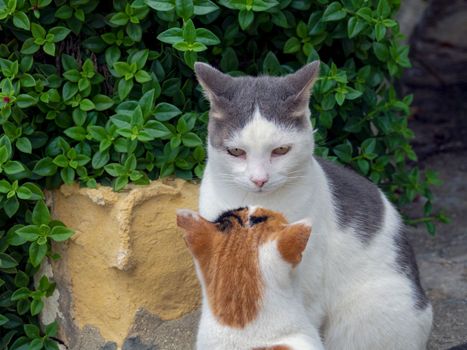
x=142, y=77
x=29, y=47
x=119, y=19
x=122, y=69
x=134, y=31
x=161, y=5
x=25, y=100
x=124, y=88
x=24, y=145
x=21, y=20
x=191, y=140
x=364, y=166
x=171, y=36
x=381, y=51
x=355, y=26
x=61, y=160
x=140, y=58
x=86, y=105
x=49, y=48
x=45, y=167
x=184, y=8
x=32, y=331
x=64, y=12
x=5, y=186
x=380, y=31
x=36, y=192
x=292, y=45
x=51, y=329
x=38, y=32
x=69, y=90
x=4, y=153
x=36, y=255
x=7, y=262
x=77, y=133
x=13, y=167
x=165, y=111
x=60, y=233
x=344, y=152
x=203, y=7
x=245, y=18
x=334, y=12
x=67, y=175
x=206, y=37
x=114, y=169
x=189, y=31
x=11, y=206
x=157, y=129
x=383, y=9
x=59, y=33
x=40, y=214
x=37, y=305
x=21, y=279
x=24, y=193
x=100, y=159
x=102, y=102
x=120, y=182
x=50, y=344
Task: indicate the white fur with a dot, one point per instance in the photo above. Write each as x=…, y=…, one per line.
x=351, y=290
x=282, y=319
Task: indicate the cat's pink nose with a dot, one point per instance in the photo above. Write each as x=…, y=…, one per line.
x=259, y=182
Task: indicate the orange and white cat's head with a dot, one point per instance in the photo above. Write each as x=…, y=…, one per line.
x=245, y=261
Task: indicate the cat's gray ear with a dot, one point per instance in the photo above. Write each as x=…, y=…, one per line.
x=301, y=82
x=213, y=81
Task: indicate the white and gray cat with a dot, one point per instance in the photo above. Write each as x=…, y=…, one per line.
x=358, y=275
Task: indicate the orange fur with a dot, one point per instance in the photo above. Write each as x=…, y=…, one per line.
x=228, y=259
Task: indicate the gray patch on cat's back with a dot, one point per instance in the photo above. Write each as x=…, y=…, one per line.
x=357, y=201
x=407, y=265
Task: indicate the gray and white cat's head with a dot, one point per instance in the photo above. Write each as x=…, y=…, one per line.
x=259, y=132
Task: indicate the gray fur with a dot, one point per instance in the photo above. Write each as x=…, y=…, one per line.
x=359, y=204
x=357, y=200
x=235, y=99
x=406, y=264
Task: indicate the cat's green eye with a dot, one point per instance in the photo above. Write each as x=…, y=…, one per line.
x=236, y=152
x=280, y=151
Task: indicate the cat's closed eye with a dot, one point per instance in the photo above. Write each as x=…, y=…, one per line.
x=236, y=152
x=280, y=151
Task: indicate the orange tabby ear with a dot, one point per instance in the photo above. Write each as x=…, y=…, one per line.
x=292, y=241
x=198, y=231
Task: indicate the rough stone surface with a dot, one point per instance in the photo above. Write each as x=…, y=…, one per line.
x=438, y=45
x=443, y=259
x=126, y=255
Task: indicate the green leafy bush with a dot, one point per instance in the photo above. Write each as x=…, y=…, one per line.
x=104, y=92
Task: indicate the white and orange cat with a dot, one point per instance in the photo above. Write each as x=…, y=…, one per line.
x=360, y=282
x=247, y=264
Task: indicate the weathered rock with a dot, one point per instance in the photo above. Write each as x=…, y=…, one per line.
x=438, y=45
x=126, y=271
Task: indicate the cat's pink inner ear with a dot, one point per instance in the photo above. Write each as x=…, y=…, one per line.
x=213, y=81
x=293, y=240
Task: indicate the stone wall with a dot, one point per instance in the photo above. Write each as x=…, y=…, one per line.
x=126, y=273
x=437, y=31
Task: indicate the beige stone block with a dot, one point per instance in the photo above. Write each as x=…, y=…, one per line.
x=126, y=256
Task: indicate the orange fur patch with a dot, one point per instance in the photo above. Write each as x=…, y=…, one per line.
x=227, y=253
